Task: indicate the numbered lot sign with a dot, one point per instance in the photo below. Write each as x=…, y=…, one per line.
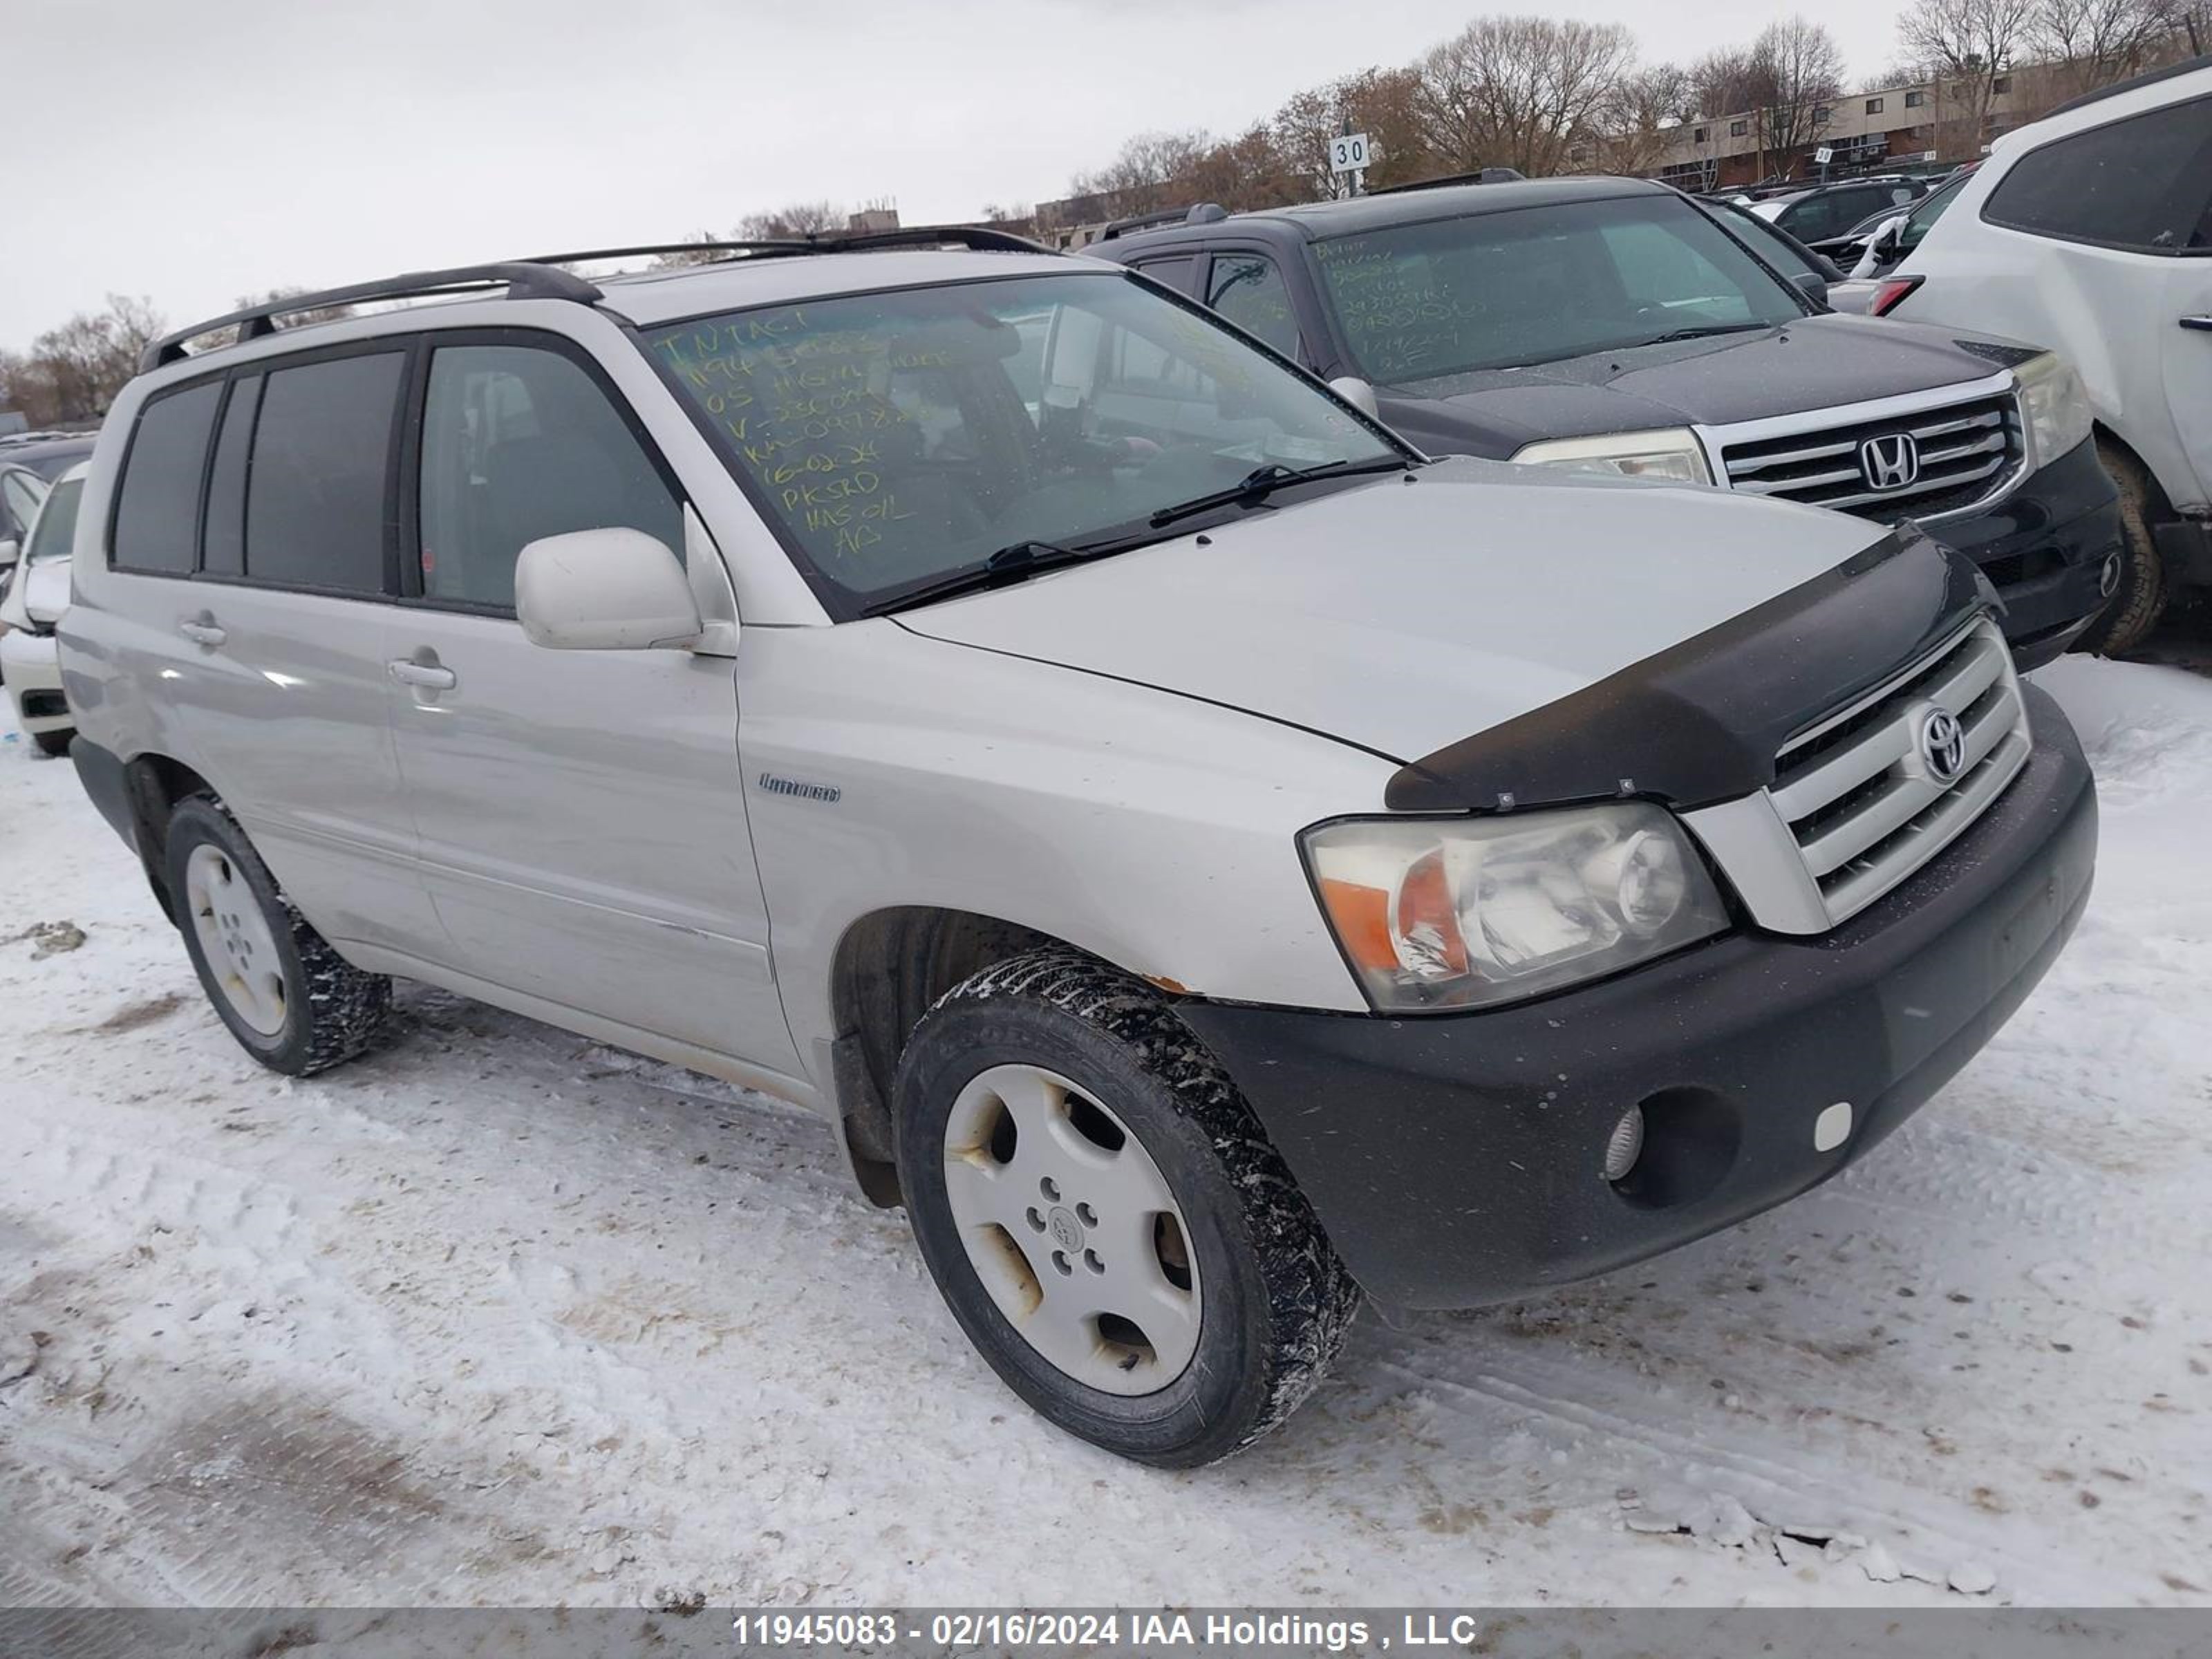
x=1348, y=153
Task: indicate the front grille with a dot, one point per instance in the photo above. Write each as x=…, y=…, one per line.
x=1859, y=796
x=1967, y=452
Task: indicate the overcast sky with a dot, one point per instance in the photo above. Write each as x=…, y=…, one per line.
x=194, y=150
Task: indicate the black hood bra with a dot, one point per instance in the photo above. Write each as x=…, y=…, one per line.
x=1702, y=721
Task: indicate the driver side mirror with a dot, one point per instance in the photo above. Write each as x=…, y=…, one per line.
x=1813, y=285
x=603, y=590
x=1356, y=392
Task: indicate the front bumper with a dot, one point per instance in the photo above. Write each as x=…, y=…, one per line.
x=1457, y=1160
x=2044, y=548
x=31, y=666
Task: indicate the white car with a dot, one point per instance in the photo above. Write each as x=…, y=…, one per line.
x=2091, y=231
x=29, y=661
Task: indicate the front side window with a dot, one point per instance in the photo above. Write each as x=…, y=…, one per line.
x=157, y=513
x=54, y=534
x=20, y=494
x=316, y=513
x=1421, y=303
x=900, y=438
x=2141, y=184
x=1250, y=292
x=519, y=443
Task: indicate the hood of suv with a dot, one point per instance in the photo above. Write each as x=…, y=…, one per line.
x=1401, y=617
x=1818, y=362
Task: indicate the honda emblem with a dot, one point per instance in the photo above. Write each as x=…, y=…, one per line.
x=1891, y=461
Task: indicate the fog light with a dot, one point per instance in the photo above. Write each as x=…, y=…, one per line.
x=2108, y=575
x=1625, y=1146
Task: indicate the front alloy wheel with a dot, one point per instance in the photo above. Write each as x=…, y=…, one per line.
x=1071, y=1227
x=1106, y=1218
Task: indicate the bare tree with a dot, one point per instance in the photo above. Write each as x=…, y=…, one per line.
x=1797, y=71
x=1518, y=91
x=784, y=224
x=1965, y=45
x=1143, y=177
x=1378, y=103
x=72, y=373
x=1634, y=127
x=2087, y=44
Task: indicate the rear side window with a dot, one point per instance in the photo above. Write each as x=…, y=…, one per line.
x=1176, y=272
x=2140, y=184
x=157, y=514
x=519, y=443
x=315, y=496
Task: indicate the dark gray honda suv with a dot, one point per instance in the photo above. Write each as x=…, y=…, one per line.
x=1617, y=325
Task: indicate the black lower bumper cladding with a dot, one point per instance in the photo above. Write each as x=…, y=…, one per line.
x=1458, y=1159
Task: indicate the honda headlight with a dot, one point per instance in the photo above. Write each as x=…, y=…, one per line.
x=1462, y=913
x=1669, y=453
x=2057, y=408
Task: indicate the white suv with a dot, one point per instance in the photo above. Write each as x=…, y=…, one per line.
x=2091, y=231
x=1205, y=861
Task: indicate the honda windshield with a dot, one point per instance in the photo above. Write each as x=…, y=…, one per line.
x=1420, y=303
x=899, y=438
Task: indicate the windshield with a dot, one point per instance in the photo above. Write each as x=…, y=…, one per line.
x=897, y=438
x=1422, y=302
x=55, y=532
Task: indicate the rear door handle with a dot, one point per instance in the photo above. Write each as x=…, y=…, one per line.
x=429, y=676
x=203, y=631
x=2204, y=324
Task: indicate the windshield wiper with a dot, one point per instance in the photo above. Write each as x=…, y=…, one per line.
x=1263, y=481
x=1708, y=329
x=1015, y=562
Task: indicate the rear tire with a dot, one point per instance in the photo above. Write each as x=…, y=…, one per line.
x=2140, y=600
x=1207, y=1302
x=56, y=743
x=292, y=1002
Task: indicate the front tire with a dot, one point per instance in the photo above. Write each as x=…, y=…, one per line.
x=292, y=1002
x=1106, y=1218
x=2140, y=600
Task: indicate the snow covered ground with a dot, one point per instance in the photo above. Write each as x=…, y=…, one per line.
x=500, y=1316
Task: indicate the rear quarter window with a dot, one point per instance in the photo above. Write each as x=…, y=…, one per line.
x=157, y=509
x=2142, y=183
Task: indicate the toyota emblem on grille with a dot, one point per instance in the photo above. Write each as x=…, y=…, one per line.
x=1891, y=461
x=1943, y=744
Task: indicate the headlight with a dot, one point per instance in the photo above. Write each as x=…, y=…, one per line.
x=1460, y=913
x=1669, y=453
x=2057, y=408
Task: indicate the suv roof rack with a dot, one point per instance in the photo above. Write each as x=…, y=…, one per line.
x=522, y=281
x=980, y=238
x=1201, y=213
x=1486, y=176
x=542, y=277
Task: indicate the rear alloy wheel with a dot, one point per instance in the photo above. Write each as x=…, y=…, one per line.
x=292, y=1002
x=1106, y=1218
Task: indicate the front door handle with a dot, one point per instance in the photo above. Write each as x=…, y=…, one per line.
x=2202, y=323
x=425, y=675
x=202, y=630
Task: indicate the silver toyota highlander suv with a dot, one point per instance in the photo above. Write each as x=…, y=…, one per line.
x=1207, y=862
